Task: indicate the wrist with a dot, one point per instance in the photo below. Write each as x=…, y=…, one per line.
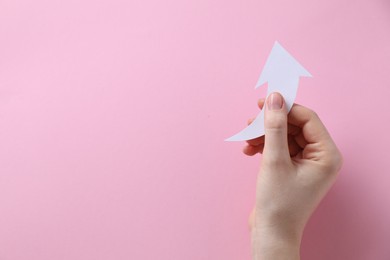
x=275, y=242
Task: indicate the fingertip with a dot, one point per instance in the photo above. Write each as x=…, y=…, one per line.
x=250, y=121
x=261, y=102
x=250, y=150
x=275, y=101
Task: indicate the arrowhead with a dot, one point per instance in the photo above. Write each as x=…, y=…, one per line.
x=281, y=67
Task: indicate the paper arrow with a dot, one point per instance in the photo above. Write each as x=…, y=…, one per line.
x=282, y=73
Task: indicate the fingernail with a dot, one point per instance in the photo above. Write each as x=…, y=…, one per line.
x=275, y=101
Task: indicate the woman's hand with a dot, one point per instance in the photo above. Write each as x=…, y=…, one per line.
x=300, y=163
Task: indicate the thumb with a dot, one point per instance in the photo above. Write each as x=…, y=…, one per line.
x=275, y=125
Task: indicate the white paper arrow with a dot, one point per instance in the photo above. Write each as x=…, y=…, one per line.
x=282, y=73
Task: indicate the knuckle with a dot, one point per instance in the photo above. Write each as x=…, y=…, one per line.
x=276, y=163
x=313, y=114
x=338, y=161
x=334, y=162
x=276, y=121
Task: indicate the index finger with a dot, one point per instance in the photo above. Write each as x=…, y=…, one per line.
x=313, y=129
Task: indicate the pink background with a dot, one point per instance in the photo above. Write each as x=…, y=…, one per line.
x=113, y=115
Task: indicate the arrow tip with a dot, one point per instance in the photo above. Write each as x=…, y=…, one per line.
x=280, y=63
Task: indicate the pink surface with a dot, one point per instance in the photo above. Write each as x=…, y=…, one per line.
x=113, y=116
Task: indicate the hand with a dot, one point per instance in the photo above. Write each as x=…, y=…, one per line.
x=300, y=163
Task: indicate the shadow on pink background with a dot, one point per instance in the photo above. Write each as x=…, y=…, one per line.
x=113, y=116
